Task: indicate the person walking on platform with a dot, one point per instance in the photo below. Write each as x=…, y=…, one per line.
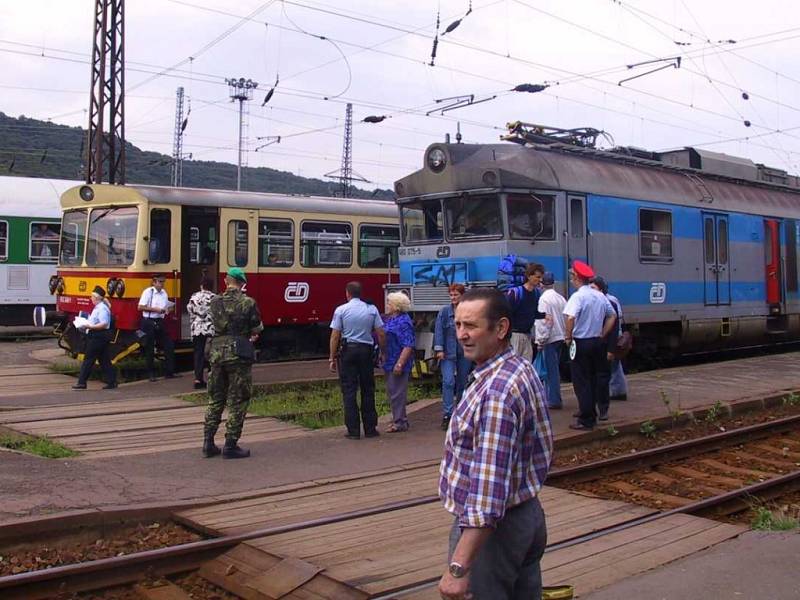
x=617, y=385
x=155, y=306
x=98, y=338
x=201, y=327
x=237, y=325
x=400, y=345
x=352, y=326
x=524, y=301
x=589, y=320
x=497, y=454
x=550, y=338
x=452, y=363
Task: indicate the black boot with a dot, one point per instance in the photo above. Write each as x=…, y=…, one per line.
x=210, y=449
x=232, y=450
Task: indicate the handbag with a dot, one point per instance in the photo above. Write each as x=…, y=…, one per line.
x=243, y=348
x=624, y=345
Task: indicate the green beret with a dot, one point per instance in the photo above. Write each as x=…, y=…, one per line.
x=237, y=273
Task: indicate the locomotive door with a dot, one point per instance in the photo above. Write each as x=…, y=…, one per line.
x=716, y=274
x=577, y=242
x=772, y=261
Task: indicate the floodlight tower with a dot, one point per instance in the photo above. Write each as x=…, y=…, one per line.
x=242, y=90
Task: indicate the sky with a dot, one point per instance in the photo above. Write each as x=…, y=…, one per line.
x=738, y=65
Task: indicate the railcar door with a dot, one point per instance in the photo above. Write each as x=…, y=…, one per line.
x=772, y=261
x=577, y=242
x=717, y=274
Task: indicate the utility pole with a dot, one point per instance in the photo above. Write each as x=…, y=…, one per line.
x=345, y=174
x=242, y=90
x=177, y=143
x=107, y=95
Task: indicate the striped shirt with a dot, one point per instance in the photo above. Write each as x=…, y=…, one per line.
x=499, y=444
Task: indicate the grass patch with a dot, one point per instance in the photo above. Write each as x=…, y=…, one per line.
x=317, y=405
x=131, y=368
x=773, y=520
x=40, y=446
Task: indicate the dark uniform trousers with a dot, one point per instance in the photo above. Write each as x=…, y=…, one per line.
x=356, y=370
x=156, y=333
x=97, y=348
x=591, y=373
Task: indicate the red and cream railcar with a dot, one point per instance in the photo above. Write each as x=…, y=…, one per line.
x=298, y=253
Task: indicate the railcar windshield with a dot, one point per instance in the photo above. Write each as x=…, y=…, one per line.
x=473, y=216
x=112, y=236
x=73, y=236
x=422, y=222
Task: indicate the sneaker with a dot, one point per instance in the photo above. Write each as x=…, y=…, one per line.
x=603, y=416
x=445, y=422
x=581, y=427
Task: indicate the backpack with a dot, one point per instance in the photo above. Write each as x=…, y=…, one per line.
x=511, y=272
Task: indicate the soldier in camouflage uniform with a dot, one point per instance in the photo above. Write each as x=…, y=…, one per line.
x=237, y=324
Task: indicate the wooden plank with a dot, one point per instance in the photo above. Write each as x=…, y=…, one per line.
x=283, y=578
x=163, y=591
x=95, y=408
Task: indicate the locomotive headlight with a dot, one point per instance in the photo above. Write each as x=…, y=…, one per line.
x=60, y=287
x=120, y=288
x=437, y=160
x=52, y=284
x=111, y=285
x=86, y=193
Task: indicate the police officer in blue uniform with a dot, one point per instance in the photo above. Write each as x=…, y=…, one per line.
x=589, y=319
x=352, y=328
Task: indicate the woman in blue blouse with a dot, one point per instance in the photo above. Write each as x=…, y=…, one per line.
x=98, y=338
x=400, y=343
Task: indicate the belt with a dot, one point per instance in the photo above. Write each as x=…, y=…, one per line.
x=354, y=342
x=154, y=318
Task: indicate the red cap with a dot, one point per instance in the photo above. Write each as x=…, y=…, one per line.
x=582, y=269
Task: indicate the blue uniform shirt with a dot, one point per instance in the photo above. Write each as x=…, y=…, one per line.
x=590, y=308
x=100, y=314
x=356, y=320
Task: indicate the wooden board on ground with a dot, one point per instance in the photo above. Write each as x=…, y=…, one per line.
x=164, y=591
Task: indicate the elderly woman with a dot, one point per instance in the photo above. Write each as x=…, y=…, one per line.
x=201, y=327
x=98, y=338
x=453, y=365
x=400, y=343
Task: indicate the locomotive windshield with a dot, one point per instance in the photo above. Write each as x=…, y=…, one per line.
x=112, y=236
x=471, y=216
x=73, y=237
x=422, y=222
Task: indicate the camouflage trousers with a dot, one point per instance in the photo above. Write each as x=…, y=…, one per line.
x=231, y=384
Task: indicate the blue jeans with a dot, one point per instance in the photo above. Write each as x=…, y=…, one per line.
x=454, y=378
x=618, y=386
x=552, y=355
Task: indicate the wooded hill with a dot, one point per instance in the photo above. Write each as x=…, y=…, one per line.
x=33, y=148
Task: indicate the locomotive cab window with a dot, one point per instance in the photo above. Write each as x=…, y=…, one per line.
x=422, y=222
x=112, y=236
x=655, y=235
x=275, y=243
x=44, y=242
x=237, y=243
x=473, y=216
x=377, y=246
x=324, y=244
x=160, y=229
x=3, y=240
x=73, y=236
x=531, y=216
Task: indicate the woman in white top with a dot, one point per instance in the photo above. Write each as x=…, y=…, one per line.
x=98, y=338
x=201, y=327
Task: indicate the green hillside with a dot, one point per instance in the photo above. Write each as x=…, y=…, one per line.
x=33, y=148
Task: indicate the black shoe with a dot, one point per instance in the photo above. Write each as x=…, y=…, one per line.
x=79, y=386
x=110, y=386
x=352, y=436
x=619, y=397
x=200, y=385
x=371, y=434
x=581, y=427
x=234, y=451
x=210, y=449
x=445, y=422
x=172, y=376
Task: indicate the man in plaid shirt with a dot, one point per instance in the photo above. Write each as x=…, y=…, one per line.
x=497, y=454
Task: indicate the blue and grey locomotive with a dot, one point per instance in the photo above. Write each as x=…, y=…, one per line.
x=700, y=247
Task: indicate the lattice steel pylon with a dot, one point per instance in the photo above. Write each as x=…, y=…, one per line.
x=107, y=95
x=345, y=174
x=177, y=142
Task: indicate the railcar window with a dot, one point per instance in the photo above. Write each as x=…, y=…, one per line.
x=655, y=235
x=473, y=216
x=73, y=236
x=377, y=245
x=112, y=236
x=237, y=243
x=422, y=222
x=275, y=243
x=43, y=246
x=160, y=236
x=3, y=240
x=531, y=216
x=324, y=244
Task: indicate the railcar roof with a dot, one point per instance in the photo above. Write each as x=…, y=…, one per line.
x=32, y=196
x=560, y=167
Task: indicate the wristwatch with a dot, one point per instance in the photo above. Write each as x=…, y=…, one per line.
x=456, y=570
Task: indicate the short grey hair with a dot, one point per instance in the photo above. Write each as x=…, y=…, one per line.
x=400, y=301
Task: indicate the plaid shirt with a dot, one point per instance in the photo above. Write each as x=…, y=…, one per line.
x=499, y=444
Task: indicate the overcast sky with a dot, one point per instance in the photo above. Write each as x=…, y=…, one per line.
x=580, y=48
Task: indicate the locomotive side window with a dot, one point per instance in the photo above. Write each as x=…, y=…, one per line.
x=655, y=235
x=722, y=242
x=275, y=243
x=324, y=244
x=576, y=217
x=112, y=236
x=531, y=216
x=377, y=245
x=237, y=243
x=73, y=236
x=708, y=236
x=43, y=240
x=160, y=227
x=422, y=222
x=3, y=240
x=473, y=216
